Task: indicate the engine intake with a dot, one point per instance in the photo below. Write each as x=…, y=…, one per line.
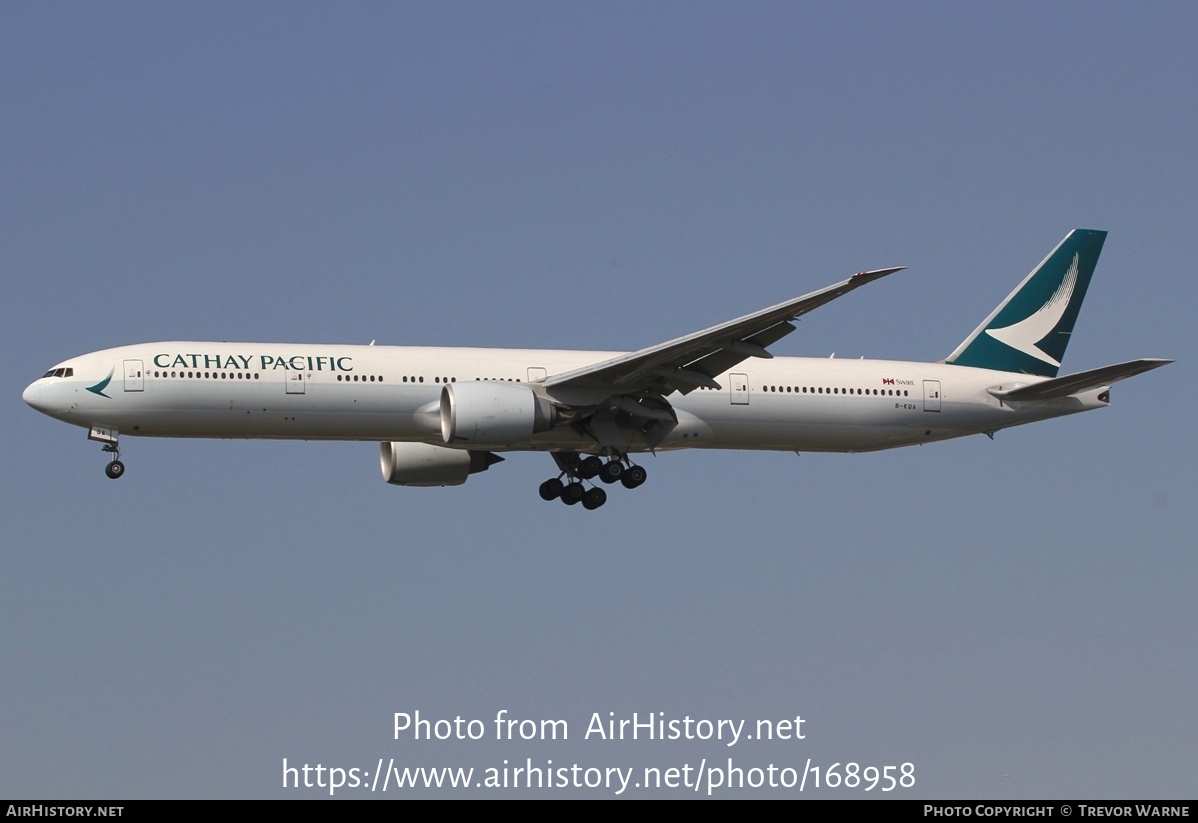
x=422, y=464
x=493, y=414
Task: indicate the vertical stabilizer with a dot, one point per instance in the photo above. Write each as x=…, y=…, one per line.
x=1028, y=333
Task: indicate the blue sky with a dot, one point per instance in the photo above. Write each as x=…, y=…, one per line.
x=1016, y=617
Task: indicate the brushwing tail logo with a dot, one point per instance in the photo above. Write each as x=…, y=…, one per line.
x=102, y=385
x=1024, y=335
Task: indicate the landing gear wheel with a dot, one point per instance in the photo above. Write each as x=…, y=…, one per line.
x=594, y=498
x=633, y=476
x=115, y=469
x=573, y=493
x=590, y=467
x=611, y=471
x=551, y=489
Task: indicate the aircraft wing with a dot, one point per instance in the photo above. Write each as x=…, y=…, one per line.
x=1082, y=381
x=693, y=360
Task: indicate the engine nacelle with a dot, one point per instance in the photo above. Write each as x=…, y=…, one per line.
x=493, y=414
x=422, y=464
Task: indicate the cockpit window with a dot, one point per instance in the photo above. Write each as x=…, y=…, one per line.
x=59, y=372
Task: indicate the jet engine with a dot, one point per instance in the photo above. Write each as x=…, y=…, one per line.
x=422, y=464
x=493, y=414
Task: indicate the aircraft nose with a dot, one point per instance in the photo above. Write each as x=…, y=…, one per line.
x=35, y=396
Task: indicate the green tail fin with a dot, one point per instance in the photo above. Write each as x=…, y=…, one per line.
x=1028, y=333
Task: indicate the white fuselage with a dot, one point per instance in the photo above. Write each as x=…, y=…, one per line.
x=383, y=393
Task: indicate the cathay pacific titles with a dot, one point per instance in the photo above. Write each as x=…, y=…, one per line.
x=297, y=362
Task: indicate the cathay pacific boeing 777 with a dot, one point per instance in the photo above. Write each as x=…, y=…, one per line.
x=441, y=414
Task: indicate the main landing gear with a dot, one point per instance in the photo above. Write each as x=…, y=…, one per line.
x=568, y=486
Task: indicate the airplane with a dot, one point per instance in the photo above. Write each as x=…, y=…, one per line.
x=442, y=414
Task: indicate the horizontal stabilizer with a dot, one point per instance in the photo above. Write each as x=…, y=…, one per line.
x=1082, y=381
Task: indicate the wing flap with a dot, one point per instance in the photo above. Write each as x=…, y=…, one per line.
x=728, y=356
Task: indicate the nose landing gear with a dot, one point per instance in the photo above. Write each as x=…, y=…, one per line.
x=111, y=440
x=114, y=469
